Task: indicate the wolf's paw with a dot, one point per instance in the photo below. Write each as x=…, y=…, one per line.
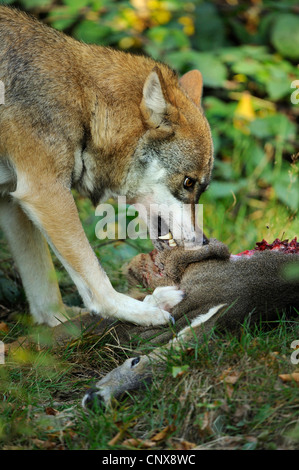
x=165, y=297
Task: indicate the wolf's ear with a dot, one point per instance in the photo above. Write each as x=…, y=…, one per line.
x=154, y=102
x=192, y=84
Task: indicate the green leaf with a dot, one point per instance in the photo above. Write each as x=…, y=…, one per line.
x=77, y=4
x=28, y=4
x=214, y=72
x=216, y=107
x=209, y=28
x=221, y=189
x=277, y=89
x=248, y=67
x=245, y=52
x=276, y=125
x=286, y=192
x=285, y=35
x=177, y=370
x=163, y=39
x=62, y=18
x=92, y=32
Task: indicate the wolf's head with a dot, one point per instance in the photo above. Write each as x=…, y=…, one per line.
x=174, y=158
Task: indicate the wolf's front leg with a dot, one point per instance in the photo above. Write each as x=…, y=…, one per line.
x=52, y=209
x=32, y=257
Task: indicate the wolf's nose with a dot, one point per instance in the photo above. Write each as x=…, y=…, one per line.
x=92, y=400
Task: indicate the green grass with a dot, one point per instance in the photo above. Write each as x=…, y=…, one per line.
x=227, y=394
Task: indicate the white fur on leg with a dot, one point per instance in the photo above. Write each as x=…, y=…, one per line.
x=165, y=297
x=32, y=257
x=198, y=321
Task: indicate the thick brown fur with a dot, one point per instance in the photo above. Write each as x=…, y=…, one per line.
x=103, y=122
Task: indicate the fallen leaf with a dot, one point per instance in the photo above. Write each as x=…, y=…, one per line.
x=4, y=327
x=191, y=351
x=229, y=390
x=290, y=377
x=230, y=377
x=162, y=435
x=51, y=411
x=205, y=427
x=139, y=443
x=116, y=438
x=184, y=445
x=44, y=444
x=242, y=411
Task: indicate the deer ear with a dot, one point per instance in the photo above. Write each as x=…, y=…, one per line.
x=154, y=103
x=191, y=82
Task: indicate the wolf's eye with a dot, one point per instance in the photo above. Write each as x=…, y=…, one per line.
x=189, y=182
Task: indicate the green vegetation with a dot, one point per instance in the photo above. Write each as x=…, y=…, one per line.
x=225, y=393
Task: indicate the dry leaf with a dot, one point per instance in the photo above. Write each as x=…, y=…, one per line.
x=162, y=435
x=4, y=327
x=47, y=445
x=230, y=378
x=290, y=377
x=205, y=428
x=229, y=390
x=242, y=411
x=51, y=411
x=116, y=438
x=184, y=445
x=139, y=443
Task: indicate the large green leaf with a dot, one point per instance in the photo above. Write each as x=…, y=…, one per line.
x=34, y=3
x=92, y=32
x=220, y=189
x=285, y=35
x=277, y=124
x=209, y=28
x=213, y=70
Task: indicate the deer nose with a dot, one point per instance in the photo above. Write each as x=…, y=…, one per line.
x=205, y=240
x=92, y=400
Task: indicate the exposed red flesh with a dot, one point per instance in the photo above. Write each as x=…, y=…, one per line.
x=284, y=246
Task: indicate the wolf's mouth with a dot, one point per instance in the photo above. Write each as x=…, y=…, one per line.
x=168, y=238
x=165, y=237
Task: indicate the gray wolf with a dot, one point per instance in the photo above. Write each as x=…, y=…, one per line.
x=105, y=123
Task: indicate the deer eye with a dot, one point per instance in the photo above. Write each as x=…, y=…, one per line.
x=189, y=182
x=135, y=361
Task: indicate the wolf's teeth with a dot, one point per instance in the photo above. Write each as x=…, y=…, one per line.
x=172, y=243
x=166, y=237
